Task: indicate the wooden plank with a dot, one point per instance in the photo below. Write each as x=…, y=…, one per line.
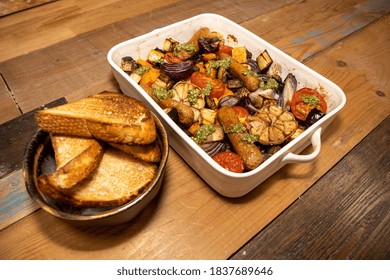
x=351, y=216
x=362, y=85
x=49, y=24
x=88, y=52
x=310, y=32
x=189, y=220
x=8, y=108
x=8, y=7
x=15, y=203
x=14, y=135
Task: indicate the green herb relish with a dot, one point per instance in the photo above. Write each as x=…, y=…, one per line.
x=310, y=99
x=249, y=73
x=141, y=70
x=271, y=83
x=250, y=138
x=185, y=47
x=203, y=132
x=162, y=93
x=224, y=63
x=237, y=128
x=207, y=89
x=193, y=96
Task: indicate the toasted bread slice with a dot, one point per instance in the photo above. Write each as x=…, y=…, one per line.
x=75, y=158
x=108, y=116
x=149, y=153
x=118, y=179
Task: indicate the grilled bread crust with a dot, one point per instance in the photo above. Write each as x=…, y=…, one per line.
x=76, y=158
x=107, y=116
x=149, y=153
x=118, y=179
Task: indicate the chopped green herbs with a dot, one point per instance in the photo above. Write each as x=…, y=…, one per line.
x=310, y=99
x=271, y=83
x=224, y=63
x=249, y=73
x=193, y=96
x=250, y=138
x=237, y=128
x=203, y=132
x=162, y=93
x=207, y=89
x=141, y=70
x=185, y=47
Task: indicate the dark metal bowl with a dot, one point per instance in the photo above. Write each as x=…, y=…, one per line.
x=39, y=158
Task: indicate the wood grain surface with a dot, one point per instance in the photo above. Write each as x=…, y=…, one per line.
x=350, y=211
x=13, y=6
x=188, y=220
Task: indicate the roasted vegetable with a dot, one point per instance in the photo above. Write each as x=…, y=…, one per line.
x=290, y=87
x=128, y=64
x=272, y=124
x=305, y=100
x=169, y=45
x=188, y=94
x=155, y=57
x=163, y=81
x=230, y=161
x=239, y=54
x=314, y=116
x=264, y=60
x=231, y=105
x=209, y=85
x=178, y=71
x=207, y=45
x=261, y=98
x=213, y=148
x=229, y=100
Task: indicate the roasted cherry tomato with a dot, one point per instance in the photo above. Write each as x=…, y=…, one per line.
x=225, y=49
x=241, y=112
x=230, y=161
x=171, y=58
x=202, y=80
x=304, y=100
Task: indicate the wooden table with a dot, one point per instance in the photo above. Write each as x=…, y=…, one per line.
x=334, y=208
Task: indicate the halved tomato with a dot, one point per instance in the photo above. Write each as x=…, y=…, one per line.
x=225, y=49
x=306, y=99
x=217, y=87
x=230, y=161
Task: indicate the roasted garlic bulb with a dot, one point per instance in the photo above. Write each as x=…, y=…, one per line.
x=272, y=124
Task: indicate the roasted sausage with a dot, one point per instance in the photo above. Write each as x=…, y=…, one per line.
x=187, y=114
x=201, y=33
x=248, y=152
x=251, y=82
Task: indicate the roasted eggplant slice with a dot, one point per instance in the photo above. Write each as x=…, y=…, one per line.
x=264, y=61
x=290, y=87
x=314, y=116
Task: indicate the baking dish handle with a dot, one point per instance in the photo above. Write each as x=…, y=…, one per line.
x=315, y=142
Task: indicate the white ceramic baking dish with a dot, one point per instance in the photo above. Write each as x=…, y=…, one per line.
x=225, y=182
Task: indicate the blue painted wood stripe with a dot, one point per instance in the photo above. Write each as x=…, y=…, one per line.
x=15, y=202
